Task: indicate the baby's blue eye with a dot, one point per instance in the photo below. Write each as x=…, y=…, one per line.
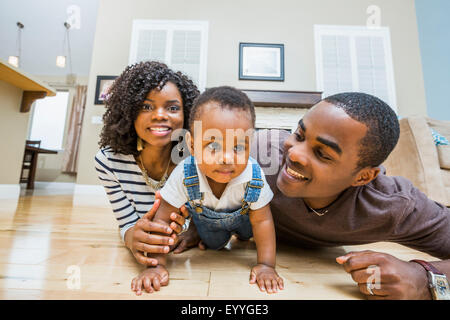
x=214, y=146
x=239, y=148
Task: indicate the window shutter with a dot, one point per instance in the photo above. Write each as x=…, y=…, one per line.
x=182, y=45
x=352, y=58
x=151, y=45
x=336, y=61
x=186, y=51
x=371, y=65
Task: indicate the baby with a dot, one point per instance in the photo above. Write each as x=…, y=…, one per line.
x=225, y=189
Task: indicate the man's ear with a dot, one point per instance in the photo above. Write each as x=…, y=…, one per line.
x=365, y=175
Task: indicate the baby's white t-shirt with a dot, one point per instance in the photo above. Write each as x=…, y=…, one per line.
x=175, y=193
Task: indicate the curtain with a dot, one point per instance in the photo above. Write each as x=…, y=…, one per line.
x=71, y=148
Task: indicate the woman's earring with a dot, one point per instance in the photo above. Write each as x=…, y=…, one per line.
x=139, y=144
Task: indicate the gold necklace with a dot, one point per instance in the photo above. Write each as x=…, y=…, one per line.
x=155, y=185
x=318, y=213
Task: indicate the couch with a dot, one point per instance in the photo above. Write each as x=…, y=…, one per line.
x=417, y=158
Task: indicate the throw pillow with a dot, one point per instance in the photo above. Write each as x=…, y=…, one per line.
x=439, y=139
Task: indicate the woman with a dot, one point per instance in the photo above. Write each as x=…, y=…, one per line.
x=144, y=106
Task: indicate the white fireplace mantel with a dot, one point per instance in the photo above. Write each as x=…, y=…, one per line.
x=281, y=109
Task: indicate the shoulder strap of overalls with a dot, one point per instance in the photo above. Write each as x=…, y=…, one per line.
x=254, y=186
x=191, y=180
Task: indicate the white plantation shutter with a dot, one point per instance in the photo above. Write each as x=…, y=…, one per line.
x=336, y=64
x=182, y=45
x=151, y=45
x=186, y=51
x=371, y=66
x=354, y=59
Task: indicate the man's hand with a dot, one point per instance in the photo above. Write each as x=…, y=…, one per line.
x=140, y=238
x=391, y=278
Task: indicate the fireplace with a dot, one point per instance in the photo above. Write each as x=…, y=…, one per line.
x=281, y=109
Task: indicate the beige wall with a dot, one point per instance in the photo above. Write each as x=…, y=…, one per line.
x=286, y=21
x=13, y=130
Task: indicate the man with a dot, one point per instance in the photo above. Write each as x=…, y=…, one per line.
x=330, y=173
x=330, y=191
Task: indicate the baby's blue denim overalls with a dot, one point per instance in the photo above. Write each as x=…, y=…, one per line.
x=216, y=228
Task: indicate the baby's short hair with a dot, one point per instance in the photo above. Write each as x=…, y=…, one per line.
x=226, y=97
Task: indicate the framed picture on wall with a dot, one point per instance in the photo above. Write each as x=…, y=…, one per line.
x=102, y=87
x=261, y=61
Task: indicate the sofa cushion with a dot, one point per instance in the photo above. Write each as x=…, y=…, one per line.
x=444, y=156
x=446, y=177
x=448, y=198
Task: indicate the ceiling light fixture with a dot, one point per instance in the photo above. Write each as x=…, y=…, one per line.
x=61, y=60
x=15, y=60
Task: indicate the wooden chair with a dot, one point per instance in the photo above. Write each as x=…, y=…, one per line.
x=28, y=165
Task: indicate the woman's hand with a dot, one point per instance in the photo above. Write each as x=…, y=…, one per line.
x=140, y=238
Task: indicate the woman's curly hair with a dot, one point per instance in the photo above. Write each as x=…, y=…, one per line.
x=126, y=97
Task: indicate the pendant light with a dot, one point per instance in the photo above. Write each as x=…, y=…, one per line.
x=61, y=60
x=15, y=60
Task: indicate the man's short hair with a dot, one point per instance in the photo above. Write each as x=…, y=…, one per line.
x=383, y=129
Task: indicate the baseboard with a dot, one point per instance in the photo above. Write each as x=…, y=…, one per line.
x=53, y=185
x=9, y=191
x=90, y=195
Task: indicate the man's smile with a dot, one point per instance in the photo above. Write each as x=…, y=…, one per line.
x=292, y=173
x=295, y=174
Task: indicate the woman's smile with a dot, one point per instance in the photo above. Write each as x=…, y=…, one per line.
x=160, y=130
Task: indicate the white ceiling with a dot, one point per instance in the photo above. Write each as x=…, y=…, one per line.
x=43, y=34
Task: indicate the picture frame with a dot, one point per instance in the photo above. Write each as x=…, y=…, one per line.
x=261, y=61
x=101, y=88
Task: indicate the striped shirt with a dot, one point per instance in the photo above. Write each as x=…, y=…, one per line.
x=129, y=195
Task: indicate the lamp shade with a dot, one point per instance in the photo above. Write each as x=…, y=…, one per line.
x=14, y=61
x=61, y=61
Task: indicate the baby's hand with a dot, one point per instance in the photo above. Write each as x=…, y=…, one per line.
x=151, y=279
x=267, y=278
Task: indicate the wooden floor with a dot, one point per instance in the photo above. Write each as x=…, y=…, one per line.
x=47, y=243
